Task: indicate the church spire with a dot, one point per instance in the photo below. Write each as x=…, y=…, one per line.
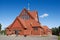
x=28, y=6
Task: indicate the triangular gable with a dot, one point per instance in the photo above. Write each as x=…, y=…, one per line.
x=24, y=12
x=17, y=24
x=32, y=14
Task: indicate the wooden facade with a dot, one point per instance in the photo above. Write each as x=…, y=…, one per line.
x=27, y=23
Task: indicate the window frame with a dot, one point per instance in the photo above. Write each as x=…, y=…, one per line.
x=25, y=16
x=35, y=28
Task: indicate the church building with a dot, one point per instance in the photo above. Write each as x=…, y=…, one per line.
x=27, y=23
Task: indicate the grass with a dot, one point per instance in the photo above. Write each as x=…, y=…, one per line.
x=58, y=37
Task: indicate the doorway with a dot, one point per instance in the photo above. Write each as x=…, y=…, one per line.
x=16, y=32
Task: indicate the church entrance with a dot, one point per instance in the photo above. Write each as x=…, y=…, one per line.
x=16, y=32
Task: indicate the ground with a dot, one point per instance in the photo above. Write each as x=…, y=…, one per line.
x=2, y=37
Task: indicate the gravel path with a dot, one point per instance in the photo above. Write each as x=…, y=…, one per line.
x=28, y=38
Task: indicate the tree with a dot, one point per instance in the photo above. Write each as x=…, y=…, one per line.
x=59, y=30
x=0, y=27
x=55, y=31
x=3, y=32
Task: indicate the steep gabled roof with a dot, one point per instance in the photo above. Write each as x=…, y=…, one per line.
x=32, y=23
x=20, y=21
x=32, y=14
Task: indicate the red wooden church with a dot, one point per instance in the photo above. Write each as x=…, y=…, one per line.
x=27, y=23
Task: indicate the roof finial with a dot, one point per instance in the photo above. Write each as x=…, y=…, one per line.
x=28, y=6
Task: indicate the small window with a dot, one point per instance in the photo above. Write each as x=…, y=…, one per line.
x=25, y=28
x=25, y=16
x=35, y=28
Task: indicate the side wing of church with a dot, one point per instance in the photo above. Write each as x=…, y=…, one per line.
x=27, y=23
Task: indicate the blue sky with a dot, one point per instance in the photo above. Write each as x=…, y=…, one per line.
x=48, y=11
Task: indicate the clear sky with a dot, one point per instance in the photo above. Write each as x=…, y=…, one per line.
x=48, y=11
